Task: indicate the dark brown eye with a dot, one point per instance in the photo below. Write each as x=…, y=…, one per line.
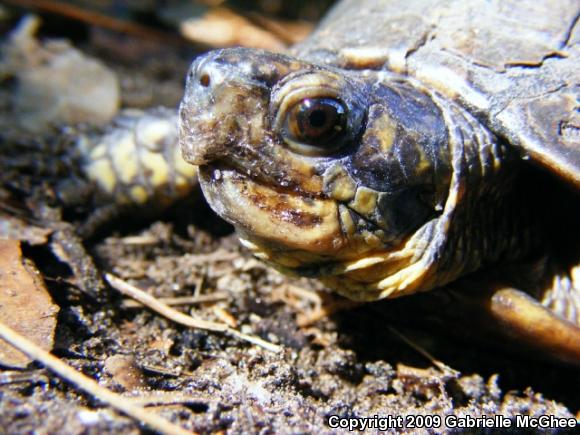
x=316, y=121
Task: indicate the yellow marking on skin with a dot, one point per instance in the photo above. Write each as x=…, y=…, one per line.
x=157, y=168
x=102, y=173
x=397, y=257
x=138, y=194
x=124, y=157
x=290, y=221
x=153, y=132
x=405, y=280
x=365, y=201
x=348, y=224
x=284, y=262
x=362, y=264
x=265, y=69
x=371, y=239
x=381, y=274
x=365, y=284
x=424, y=165
x=338, y=183
x=342, y=190
x=295, y=65
x=367, y=57
x=98, y=152
x=187, y=170
x=496, y=163
x=385, y=130
x=452, y=84
x=308, y=181
x=301, y=170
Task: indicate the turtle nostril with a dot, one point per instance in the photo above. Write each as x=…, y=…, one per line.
x=204, y=80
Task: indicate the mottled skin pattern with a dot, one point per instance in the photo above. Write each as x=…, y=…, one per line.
x=419, y=181
x=136, y=161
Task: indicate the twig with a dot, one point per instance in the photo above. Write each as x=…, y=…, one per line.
x=255, y=340
x=199, y=283
x=15, y=377
x=100, y=20
x=223, y=315
x=444, y=368
x=185, y=300
x=183, y=319
x=161, y=308
x=140, y=240
x=164, y=398
x=89, y=385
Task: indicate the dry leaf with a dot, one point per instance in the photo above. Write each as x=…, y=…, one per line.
x=221, y=27
x=25, y=304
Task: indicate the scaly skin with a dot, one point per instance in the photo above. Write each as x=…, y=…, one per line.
x=386, y=212
x=137, y=160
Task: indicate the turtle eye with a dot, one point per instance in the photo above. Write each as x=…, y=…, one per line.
x=315, y=122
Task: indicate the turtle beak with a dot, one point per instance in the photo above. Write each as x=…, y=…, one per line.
x=224, y=105
x=198, y=122
x=224, y=111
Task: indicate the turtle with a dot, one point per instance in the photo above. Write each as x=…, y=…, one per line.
x=132, y=168
x=135, y=161
x=404, y=147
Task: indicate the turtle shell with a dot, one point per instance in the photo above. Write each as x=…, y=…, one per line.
x=515, y=65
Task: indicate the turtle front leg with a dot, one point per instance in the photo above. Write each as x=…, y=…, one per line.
x=531, y=313
x=524, y=318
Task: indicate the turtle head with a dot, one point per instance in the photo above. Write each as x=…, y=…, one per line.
x=323, y=172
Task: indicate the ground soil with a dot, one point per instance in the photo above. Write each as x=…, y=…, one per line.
x=357, y=361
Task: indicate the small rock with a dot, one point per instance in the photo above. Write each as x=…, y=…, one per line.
x=56, y=83
x=125, y=372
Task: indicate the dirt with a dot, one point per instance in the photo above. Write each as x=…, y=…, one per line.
x=374, y=360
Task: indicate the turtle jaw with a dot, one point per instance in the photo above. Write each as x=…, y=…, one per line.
x=305, y=236
x=278, y=223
